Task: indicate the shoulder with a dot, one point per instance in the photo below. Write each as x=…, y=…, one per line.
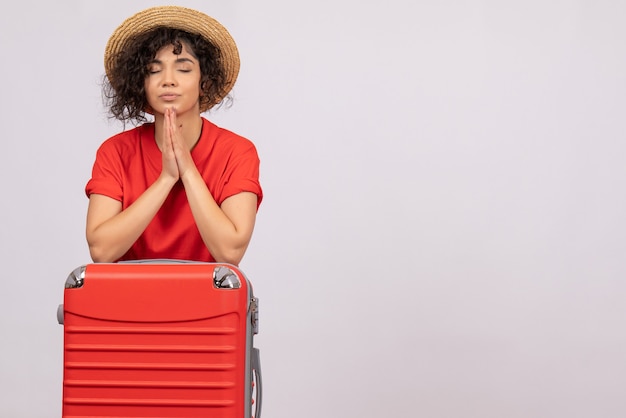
x=226, y=141
x=126, y=141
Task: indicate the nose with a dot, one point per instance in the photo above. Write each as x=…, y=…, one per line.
x=169, y=78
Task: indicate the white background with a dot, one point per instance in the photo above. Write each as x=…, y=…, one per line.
x=443, y=227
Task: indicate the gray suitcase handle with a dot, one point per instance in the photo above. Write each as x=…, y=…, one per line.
x=256, y=368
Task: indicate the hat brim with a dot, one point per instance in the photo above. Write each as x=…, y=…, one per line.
x=182, y=18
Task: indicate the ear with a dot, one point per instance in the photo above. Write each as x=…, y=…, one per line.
x=204, y=86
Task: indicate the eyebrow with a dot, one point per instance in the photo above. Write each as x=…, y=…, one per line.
x=178, y=60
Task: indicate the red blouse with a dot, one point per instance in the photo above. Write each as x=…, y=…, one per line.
x=129, y=162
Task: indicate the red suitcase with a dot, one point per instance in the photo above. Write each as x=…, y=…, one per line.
x=160, y=339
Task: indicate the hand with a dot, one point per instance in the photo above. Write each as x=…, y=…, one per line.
x=169, y=165
x=174, y=137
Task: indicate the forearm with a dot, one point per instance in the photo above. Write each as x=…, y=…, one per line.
x=224, y=240
x=111, y=239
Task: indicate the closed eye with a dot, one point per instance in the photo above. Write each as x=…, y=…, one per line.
x=153, y=69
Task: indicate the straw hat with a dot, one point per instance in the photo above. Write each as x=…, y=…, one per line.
x=176, y=17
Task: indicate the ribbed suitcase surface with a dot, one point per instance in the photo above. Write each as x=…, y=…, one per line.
x=157, y=340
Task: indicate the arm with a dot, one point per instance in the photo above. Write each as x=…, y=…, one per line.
x=226, y=230
x=111, y=231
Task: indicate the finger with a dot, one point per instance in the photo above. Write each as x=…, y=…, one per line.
x=167, y=123
x=171, y=124
x=168, y=119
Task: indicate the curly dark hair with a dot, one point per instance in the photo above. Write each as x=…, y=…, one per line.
x=124, y=92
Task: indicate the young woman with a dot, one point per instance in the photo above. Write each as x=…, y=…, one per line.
x=177, y=187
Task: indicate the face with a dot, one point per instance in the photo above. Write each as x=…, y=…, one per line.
x=173, y=81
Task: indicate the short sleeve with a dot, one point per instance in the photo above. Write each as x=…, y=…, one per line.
x=242, y=174
x=106, y=174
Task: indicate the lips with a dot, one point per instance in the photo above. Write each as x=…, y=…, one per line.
x=168, y=97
